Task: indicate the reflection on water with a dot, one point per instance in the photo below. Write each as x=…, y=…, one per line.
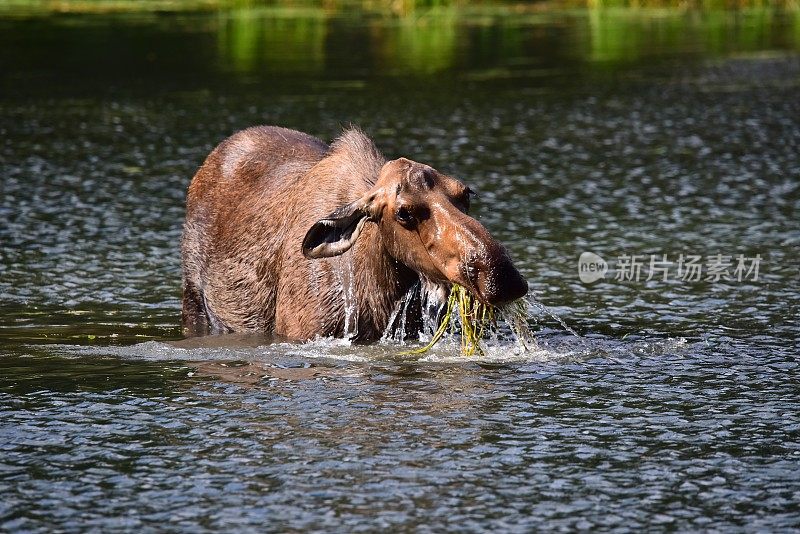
x=611, y=131
x=252, y=42
x=275, y=47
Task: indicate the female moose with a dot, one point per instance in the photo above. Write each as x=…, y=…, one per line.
x=271, y=208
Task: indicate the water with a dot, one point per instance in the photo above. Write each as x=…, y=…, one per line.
x=611, y=131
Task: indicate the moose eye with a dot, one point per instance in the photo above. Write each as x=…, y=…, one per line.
x=404, y=216
x=466, y=197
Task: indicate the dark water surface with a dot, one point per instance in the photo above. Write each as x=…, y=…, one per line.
x=616, y=132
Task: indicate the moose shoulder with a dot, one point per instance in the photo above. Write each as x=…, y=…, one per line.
x=287, y=235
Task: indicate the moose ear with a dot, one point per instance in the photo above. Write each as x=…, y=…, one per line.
x=337, y=232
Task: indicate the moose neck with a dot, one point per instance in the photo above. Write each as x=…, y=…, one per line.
x=379, y=282
x=372, y=282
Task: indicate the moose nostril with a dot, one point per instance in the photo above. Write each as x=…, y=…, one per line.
x=470, y=273
x=515, y=284
x=503, y=283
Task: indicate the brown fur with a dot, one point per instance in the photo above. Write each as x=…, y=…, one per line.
x=255, y=198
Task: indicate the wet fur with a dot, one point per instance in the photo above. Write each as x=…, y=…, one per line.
x=248, y=209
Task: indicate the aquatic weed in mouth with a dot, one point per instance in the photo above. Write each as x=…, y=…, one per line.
x=477, y=319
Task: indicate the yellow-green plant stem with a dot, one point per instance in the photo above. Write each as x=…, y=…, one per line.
x=475, y=316
x=439, y=331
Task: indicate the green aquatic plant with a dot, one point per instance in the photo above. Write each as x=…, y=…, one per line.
x=476, y=319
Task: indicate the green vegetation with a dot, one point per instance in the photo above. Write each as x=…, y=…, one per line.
x=394, y=7
x=473, y=320
x=287, y=42
x=431, y=36
x=295, y=40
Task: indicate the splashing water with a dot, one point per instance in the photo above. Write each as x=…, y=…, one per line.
x=531, y=302
x=434, y=298
x=396, y=327
x=464, y=317
x=345, y=276
x=426, y=298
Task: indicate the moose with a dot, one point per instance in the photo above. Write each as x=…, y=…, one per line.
x=288, y=236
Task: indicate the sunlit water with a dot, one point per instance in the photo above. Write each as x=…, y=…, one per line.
x=676, y=407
